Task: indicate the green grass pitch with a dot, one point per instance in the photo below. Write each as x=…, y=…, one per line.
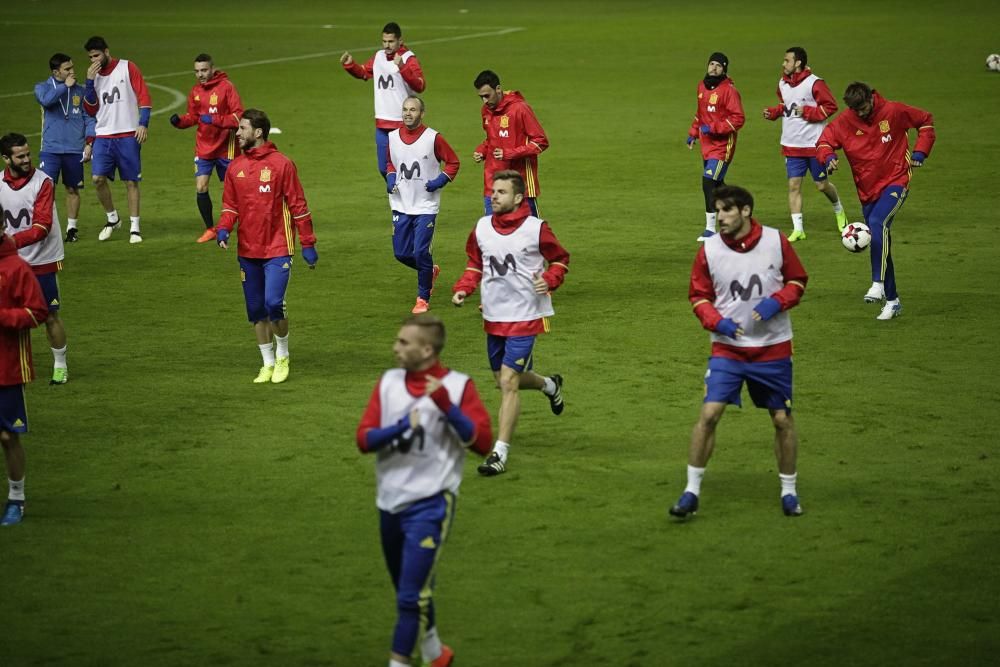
x=180, y=515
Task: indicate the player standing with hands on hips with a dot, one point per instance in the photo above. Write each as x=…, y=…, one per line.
x=873, y=136
x=508, y=252
x=262, y=195
x=751, y=336
x=420, y=419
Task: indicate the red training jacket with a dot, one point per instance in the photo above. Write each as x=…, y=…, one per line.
x=722, y=110
x=22, y=307
x=701, y=293
x=263, y=194
x=877, y=147
x=416, y=383
x=553, y=252
x=512, y=126
x=218, y=98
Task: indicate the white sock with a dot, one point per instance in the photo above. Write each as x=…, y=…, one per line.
x=267, y=353
x=16, y=490
x=501, y=448
x=797, y=222
x=70, y=223
x=879, y=284
x=59, y=356
x=710, y=221
x=282, y=345
x=694, y=480
x=134, y=223
x=892, y=302
x=397, y=663
x=550, y=387
x=788, y=484
x=838, y=207
x=430, y=647
x=112, y=217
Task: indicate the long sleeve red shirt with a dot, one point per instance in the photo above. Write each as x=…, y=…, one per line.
x=877, y=147
x=22, y=307
x=263, y=195
x=512, y=127
x=701, y=293
x=722, y=110
x=217, y=98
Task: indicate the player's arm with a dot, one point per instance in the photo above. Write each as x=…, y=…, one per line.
x=230, y=203
x=234, y=110
x=556, y=255
x=89, y=128
x=369, y=436
x=793, y=274
x=297, y=206
x=473, y=273
x=777, y=111
x=413, y=75
x=90, y=102
x=826, y=146
x=445, y=153
x=924, y=124
x=470, y=420
x=701, y=293
x=28, y=309
x=48, y=95
x=190, y=118
x=826, y=105
x=363, y=72
x=734, y=113
x=41, y=217
x=535, y=140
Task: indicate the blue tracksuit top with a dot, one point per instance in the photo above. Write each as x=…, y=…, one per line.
x=65, y=124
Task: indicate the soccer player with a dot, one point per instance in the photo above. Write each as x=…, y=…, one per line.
x=751, y=335
x=420, y=419
x=27, y=198
x=22, y=307
x=396, y=74
x=514, y=138
x=873, y=137
x=67, y=134
x=806, y=105
x=118, y=99
x=215, y=107
x=414, y=181
x=716, y=123
x=508, y=252
x=263, y=195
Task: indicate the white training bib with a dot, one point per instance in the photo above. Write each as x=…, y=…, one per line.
x=797, y=132
x=415, y=165
x=18, y=213
x=390, y=88
x=509, y=264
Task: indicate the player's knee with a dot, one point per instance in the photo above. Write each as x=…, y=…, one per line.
x=276, y=310
x=822, y=186
x=404, y=259
x=782, y=420
x=99, y=180
x=408, y=603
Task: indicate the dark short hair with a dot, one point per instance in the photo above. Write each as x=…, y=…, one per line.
x=57, y=60
x=431, y=327
x=95, y=43
x=514, y=177
x=732, y=195
x=487, y=78
x=799, y=54
x=258, y=121
x=392, y=28
x=9, y=141
x=857, y=94
x=204, y=58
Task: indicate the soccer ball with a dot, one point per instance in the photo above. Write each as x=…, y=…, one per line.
x=993, y=62
x=856, y=236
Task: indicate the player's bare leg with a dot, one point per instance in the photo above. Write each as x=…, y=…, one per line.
x=829, y=190
x=72, y=203
x=13, y=453
x=509, y=382
x=786, y=448
x=795, y=208
x=103, y=189
x=699, y=452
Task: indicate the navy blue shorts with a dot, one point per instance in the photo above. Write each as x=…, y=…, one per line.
x=715, y=170
x=70, y=165
x=769, y=382
x=120, y=153
x=204, y=167
x=13, y=411
x=50, y=289
x=796, y=167
x=510, y=351
x=265, y=282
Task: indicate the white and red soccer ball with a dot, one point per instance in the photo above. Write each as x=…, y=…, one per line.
x=993, y=62
x=856, y=236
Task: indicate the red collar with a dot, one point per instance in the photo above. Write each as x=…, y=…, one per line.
x=748, y=242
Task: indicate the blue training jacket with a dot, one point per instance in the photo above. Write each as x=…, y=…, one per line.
x=65, y=125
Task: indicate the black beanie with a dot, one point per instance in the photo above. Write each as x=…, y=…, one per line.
x=720, y=58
